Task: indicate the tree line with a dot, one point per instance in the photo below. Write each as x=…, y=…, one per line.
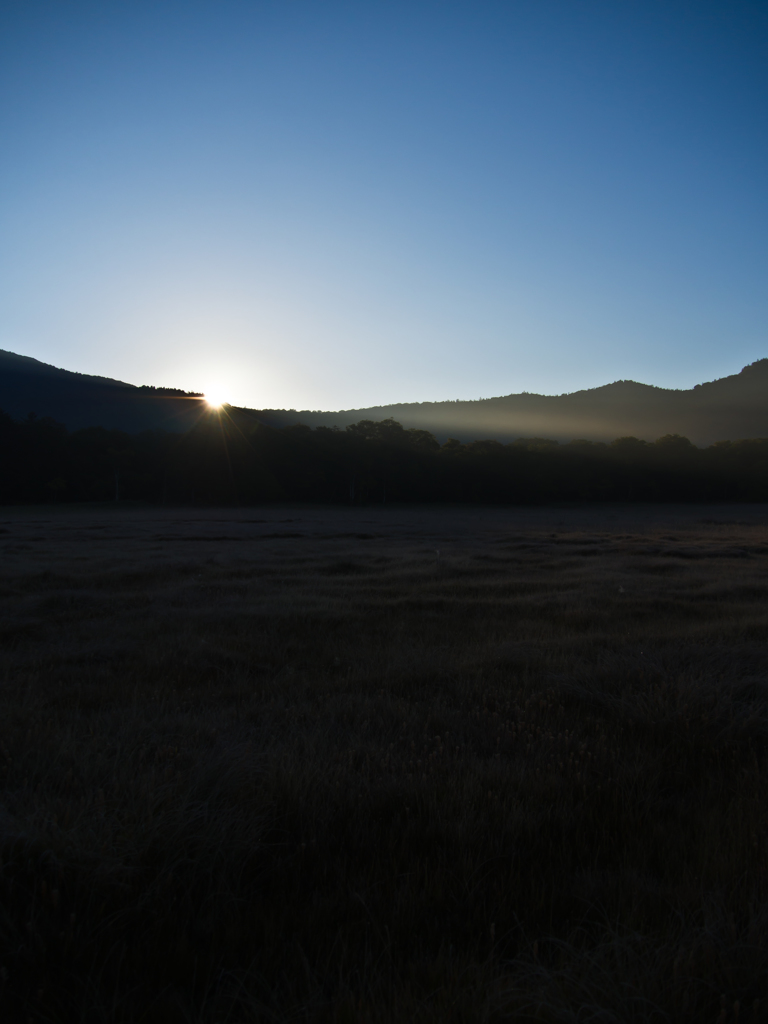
x=229, y=457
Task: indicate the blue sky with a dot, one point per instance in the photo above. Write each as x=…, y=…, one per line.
x=331, y=205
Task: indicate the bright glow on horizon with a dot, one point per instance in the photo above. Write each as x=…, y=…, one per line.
x=214, y=400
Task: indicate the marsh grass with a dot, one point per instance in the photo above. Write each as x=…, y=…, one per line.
x=300, y=768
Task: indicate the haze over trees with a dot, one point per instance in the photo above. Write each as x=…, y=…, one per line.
x=732, y=407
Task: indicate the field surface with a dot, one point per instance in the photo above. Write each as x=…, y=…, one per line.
x=384, y=764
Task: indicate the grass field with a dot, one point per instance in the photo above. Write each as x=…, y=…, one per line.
x=384, y=764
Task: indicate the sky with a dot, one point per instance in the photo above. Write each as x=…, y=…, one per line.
x=322, y=205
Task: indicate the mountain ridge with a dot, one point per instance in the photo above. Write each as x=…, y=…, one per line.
x=79, y=400
x=730, y=407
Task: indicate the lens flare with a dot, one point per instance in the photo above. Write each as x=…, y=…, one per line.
x=214, y=400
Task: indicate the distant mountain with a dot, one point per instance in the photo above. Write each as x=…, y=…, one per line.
x=80, y=400
x=727, y=409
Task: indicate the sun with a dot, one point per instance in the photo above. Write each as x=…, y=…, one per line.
x=214, y=400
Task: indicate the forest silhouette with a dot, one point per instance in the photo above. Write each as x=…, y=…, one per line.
x=229, y=457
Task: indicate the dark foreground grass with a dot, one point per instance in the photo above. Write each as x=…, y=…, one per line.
x=298, y=766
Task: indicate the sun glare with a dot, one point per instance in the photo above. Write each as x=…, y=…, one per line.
x=214, y=400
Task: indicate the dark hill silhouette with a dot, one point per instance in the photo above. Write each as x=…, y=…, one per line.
x=80, y=400
x=726, y=409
